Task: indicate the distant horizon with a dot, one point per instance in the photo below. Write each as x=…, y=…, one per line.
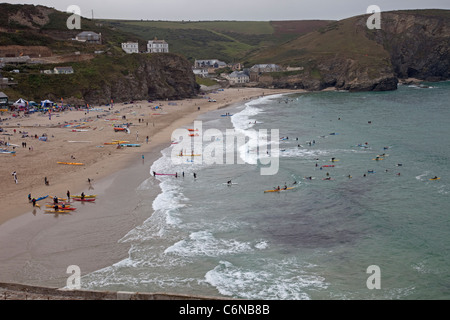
x=235, y=10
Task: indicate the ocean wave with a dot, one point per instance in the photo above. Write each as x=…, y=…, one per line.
x=203, y=243
x=281, y=280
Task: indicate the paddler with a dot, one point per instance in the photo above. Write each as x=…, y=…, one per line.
x=82, y=196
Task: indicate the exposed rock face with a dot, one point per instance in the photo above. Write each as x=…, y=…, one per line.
x=412, y=44
x=158, y=77
x=419, y=45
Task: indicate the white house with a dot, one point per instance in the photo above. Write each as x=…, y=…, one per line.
x=130, y=47
x=265, y=68
x=238, y=77
x=63, y=70
x=156, y=46
x=212, y=63
x=89, y=37
x=201, y=72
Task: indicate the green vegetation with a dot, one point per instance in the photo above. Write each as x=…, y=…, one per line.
x=88, y=76
x=230, y=41
x=205, y=81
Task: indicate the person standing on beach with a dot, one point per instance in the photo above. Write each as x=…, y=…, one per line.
x=147, y=139
x=14, y=174
x=68, y=195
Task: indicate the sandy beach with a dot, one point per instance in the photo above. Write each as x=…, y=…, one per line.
x=37, y=248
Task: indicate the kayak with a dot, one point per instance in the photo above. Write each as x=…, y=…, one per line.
x=62, y=208
x=42, y=198
x=57, y=211
x=189, y=155
x=129, y=145
x=84, y=200
x=60, y=199
x=335, y=160
x=71, y=163
x=226, y=115
x=377, y=159
x=328, y=166
x=435, y=178
x=193, y=129
x=165, y=174
x=86, y=196
x=276, y=190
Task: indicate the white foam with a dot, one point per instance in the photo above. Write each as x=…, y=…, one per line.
x=242, y=122
x=269, y=281
x=203, y=243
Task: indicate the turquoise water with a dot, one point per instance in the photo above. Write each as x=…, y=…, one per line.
x=316, y=241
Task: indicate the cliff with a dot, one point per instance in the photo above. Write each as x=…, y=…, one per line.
x=124, y=78
x=418, y=43
x=348, y=56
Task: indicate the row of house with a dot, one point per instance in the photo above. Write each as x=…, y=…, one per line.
x=153, y=46
x=206, y=68
x=59, y=70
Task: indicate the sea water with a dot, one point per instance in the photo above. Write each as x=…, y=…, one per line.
x=317, y=241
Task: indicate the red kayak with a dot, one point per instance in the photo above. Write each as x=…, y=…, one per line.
x=328, y=166
x=85, y=200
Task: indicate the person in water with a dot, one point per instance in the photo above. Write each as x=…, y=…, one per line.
x=229, y=182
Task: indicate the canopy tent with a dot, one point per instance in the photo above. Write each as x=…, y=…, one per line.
x=20, y=103
x=46, y=103
x=32, y=104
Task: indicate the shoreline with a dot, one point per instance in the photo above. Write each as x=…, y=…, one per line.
x=32, y=260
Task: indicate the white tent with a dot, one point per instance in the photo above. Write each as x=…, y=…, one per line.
x=20, y=103
x=46, y=103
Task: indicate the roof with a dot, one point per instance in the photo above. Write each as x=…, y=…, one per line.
x=237, y=74
x=87, y=33
x=64, y=68
x=2, y=95
x=265, y=66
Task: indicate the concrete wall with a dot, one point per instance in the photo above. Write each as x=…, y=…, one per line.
x=16, y=290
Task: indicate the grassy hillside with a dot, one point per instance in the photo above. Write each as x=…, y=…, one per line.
x=29, y=25
x=226, y=40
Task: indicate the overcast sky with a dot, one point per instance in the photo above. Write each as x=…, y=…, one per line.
x=261, y=10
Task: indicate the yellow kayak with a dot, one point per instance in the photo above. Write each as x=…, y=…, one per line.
x=71, y=163
x=86, y=196
x=435, y=178
x=276, y=190
x=58, y=211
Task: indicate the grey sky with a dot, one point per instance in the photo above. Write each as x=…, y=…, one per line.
x=262, y=10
